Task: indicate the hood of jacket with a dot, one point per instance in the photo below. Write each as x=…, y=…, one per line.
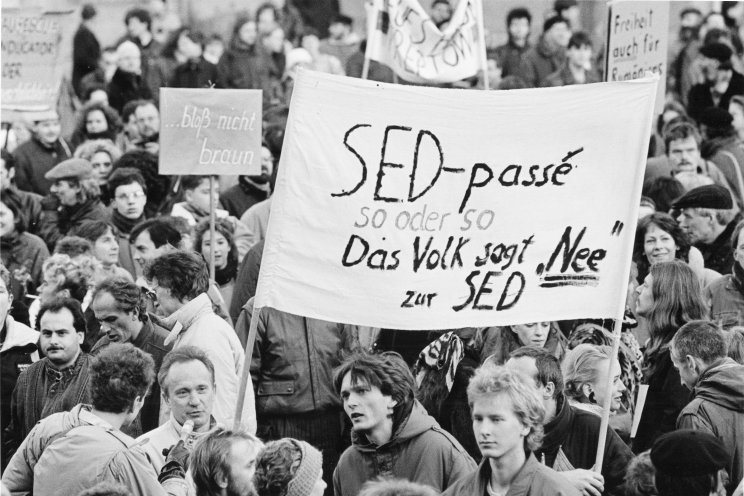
x=416, y=424
x=722, y=385
x=18, y=335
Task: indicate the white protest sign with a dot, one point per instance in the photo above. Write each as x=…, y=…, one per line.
x=424, y=208
x=638, y=34
x=36, y=55
x=403, y=36
x=210, y=131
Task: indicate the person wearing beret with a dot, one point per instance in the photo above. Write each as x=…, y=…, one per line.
x=74, y=197
x=708, y=218
x=721, y=80
x=723, y=147
x=690, y=463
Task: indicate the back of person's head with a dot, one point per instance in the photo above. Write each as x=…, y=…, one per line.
x=160, y=231
x=688, y=462
x=147, y=164
x=107, y=489
x=182, y=354
x=124, y=176
x=287, y=467
x=73, y=246
x=209, y=463
x=699, y=339
x=72, y=278
x=581, y=366
x=184, y=273
x=639, y=477
x=663, y=190
x=13, y=202
x=183, y=227
x=579, y=39
x=386, y=371
x=518, y=13
x=119, y=374
x=490, y=380
x=548, y=367
x=128, y=296
x=395, y=487
x=56, y=305
x=735, y=344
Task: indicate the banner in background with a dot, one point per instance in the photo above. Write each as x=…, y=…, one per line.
x=210, y=131
x=36, y=55
x=403, y=37
x=638, y=35
x=423, y=208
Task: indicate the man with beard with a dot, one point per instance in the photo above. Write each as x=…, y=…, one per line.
x=721, y=80
x=72, y=451
x=57, y=382
x=121, y=308
x=708, y=217
x=223, y=463
x=250, y=190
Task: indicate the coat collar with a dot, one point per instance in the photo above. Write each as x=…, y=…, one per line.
x=184, y=317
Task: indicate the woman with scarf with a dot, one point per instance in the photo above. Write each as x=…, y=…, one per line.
x=726, y=295
x=22, y=253
x=129, y=191
x=225, y=254
x=669, y=297
x=96, y=121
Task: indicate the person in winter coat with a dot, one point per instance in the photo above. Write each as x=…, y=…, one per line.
x=180, y=280
x=17, y=352
x=86, y=50
x=30, y=202
x=548, y=55
x=127, y=83
x=129, y=192
x=75, y=199
x=698, y=352
x=95, y=121
x=392, y=435
x=496, y=343
x=191, y=70
x=721, y=82
x=724, y=148
x=669, y=297
x=236, y=68
x=509, y=465
x=569, y=445
x=41, y=153
x=726, y=295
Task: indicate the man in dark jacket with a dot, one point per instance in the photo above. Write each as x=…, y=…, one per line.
x=392, y=436
x=121, y=308
x=85, y=49
x=29, y=202
x=75, y=197
x=59, y=381
x=37, y=156
x=509, y=56
x=548, y=55
x=708, y=218
x=571, y=435
x=698, y=351
x=721, y=81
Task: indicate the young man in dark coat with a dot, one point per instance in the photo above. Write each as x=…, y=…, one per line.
x=85, y=49
x=721, y=81
x=571, y=435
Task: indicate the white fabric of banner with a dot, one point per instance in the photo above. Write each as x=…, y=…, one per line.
x=423, y=208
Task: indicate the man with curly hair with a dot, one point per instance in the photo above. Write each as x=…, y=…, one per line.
x=392, y=435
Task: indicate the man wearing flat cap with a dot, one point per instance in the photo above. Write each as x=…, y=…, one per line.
x=689, y=463
x=708, y=218
x=74, y=198
x=721, y=80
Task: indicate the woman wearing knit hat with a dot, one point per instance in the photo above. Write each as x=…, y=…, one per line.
x=289, y=467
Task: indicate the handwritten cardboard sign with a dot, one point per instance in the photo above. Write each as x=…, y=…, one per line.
x=405, y=38
x=210, y=131
x=36, y=55
x=426, y=208
x=638, y=35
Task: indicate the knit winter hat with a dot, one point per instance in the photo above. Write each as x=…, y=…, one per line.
x=688, y=453
x=309, y=471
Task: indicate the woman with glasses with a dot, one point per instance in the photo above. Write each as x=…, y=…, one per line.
x=129, y=193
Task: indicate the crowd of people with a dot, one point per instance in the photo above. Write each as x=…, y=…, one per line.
x=122, y=358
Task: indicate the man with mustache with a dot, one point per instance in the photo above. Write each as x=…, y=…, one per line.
x=121, y=308
x=59, y=381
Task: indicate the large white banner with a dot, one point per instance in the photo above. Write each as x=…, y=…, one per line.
x=424, y=208
x=403, y=36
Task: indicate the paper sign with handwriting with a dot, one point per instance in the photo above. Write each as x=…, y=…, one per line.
x=424, y=208
x=210, y=131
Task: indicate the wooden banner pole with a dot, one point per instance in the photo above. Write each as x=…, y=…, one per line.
x=212, y=242
x=482, y=41
x=250, y=343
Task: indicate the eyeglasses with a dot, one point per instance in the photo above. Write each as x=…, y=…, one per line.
x=130, y=196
